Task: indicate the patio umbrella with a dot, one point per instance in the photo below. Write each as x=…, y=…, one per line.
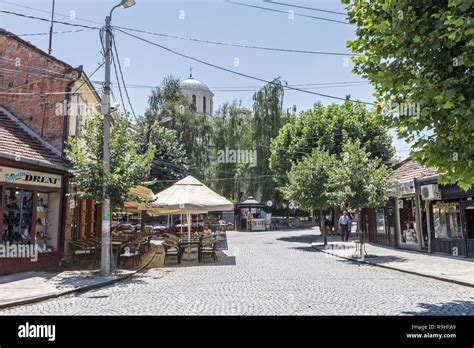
x=189, y=196
x=144, y=193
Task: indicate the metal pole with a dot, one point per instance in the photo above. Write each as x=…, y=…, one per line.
x=51, y=31
x=428, y=223
x=106, y=243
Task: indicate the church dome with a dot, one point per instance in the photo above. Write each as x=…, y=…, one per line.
x=191, y=84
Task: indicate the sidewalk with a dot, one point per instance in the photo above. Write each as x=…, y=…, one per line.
x=27, y=287
x=451, y=269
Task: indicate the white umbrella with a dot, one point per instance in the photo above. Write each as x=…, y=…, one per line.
x=189, y=196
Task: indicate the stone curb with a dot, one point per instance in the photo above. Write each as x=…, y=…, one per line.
x=459, y=282
x=79, y=289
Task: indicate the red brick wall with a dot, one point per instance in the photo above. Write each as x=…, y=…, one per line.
x=25, y=69
x=15, y=265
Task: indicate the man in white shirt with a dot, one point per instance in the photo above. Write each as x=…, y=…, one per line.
x=345, y=223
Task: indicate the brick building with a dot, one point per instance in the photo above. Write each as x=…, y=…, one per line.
x=47, y=99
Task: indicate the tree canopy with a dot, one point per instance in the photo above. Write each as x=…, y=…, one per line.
x=328, y=127
x=128, y=167
x=169, y=160
x=419, y=56
x=355, y=180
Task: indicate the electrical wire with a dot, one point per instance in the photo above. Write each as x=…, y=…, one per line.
x=233, y=71
x=121, y=75
x=194, y=39
x=48, y=20
x=238, y=45
x=304, y=7
x=47, y=33
x=285, y=12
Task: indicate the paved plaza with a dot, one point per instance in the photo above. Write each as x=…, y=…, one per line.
x=266, y=273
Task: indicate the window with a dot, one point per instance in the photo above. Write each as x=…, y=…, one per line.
x=203, y=105
x=447, y=221
x=409, y=231
x=194, y=99
x=17, y=216
x=380, y=220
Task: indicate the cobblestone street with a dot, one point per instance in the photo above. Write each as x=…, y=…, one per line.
x=267, y=273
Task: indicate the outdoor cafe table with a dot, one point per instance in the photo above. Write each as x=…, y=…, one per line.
x=188, y=245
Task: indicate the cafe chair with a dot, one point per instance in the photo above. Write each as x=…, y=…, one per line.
x=129, y=251
x=208, y=249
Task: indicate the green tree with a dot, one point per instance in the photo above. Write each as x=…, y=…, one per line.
x=128, y=167
x=232, y=130
x=268, y=119
x=194, y=130
x=307, y=181
x=169, y=161
x=328, y=128
x=357, y=181
x=419, y=56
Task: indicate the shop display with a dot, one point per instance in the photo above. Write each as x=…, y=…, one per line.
x=17, y=216
x=42, y=224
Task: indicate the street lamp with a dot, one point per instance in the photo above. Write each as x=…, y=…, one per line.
x=106, y=110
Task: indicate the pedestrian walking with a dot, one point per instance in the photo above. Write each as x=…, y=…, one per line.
x=345, y=223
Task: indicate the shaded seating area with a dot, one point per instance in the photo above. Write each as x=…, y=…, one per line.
x=198, y=247
x=189, y=197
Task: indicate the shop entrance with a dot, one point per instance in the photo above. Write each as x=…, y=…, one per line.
x=468, y=213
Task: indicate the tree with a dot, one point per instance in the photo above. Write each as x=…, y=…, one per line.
x=169, y=161
x=307, y=181
x=328, y=128
x=356, y=180
x=193, y=130
x=267, y=120
x=128, y=167
x=232, y=131
x=419, y=56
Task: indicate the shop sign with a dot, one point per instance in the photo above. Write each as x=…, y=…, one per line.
x=29, y=177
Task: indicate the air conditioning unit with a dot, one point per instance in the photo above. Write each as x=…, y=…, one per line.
x=429, y=192
x=406, y=188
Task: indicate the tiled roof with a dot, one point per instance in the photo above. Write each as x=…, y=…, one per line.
x=408, y=170
x=16, y=141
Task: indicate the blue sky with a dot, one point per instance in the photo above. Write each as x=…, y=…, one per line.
x=215, y=20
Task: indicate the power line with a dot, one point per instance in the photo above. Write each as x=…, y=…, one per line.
x=234, y=72
x=256, y=88
x=195, y=39
x=121, y=75
x=238, y=45
x=304, y=7
x=48, y=20
x=85, y=80
x=47, y=33
x=285, y=12
x=49, y=12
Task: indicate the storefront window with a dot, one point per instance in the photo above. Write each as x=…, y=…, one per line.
x=47, y=221
x=380, y=220
x=447, y=221
x=17, y=216
x=408, y=221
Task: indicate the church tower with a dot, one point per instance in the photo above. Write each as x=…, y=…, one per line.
x=198, y=94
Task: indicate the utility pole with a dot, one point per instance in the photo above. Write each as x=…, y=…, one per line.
x=106, y=251
x=51, y=31
x=106, y=242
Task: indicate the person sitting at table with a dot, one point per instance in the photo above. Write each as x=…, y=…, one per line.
x=114, y=232
x=206, y=232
